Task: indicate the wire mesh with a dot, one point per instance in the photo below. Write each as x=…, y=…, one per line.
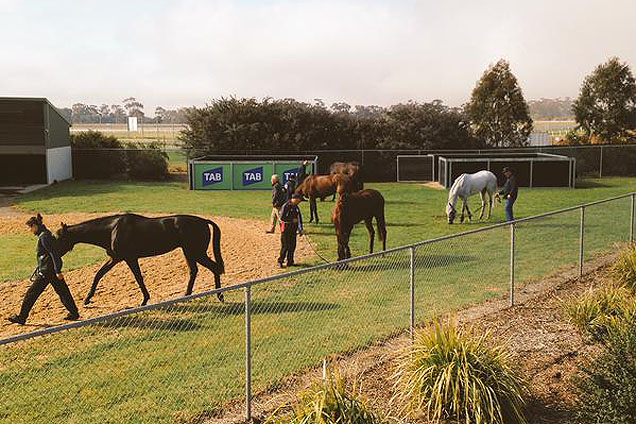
x=606, y=226
x=546, y=245
x=455, y=273
x=299, y=321
x=174, y=364
x=184, y=362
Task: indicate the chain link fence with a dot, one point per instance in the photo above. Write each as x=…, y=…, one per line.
x=186, y=360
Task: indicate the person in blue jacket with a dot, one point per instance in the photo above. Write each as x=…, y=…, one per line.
x=509, y=192
x=48, y=271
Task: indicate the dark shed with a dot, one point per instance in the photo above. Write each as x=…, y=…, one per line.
x=35, y=145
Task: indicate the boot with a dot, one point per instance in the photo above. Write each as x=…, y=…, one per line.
x=17, y=319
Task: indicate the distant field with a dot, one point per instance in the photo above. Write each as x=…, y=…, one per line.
x=163, y=133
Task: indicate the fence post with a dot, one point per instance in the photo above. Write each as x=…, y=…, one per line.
x=248, y=353
x=412, y=290
x=631, y=221
x=581, y=240
x=600, y=167
x=512, y=264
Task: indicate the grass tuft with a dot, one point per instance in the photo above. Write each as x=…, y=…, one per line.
x=624, y=269
x=456, y=374
x=600, y=309
x=327, y=402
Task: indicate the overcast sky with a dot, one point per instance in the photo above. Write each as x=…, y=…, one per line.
x=183, y=53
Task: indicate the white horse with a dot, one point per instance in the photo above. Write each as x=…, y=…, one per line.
x=466, y=185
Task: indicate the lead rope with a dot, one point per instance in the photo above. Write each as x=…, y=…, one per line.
x=314, y=249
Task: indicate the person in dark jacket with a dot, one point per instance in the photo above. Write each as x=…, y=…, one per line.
x=278, y=198
x=509, y=192
x=290, y=186
x=49, y=271
x=301, y=174
x=291, y=222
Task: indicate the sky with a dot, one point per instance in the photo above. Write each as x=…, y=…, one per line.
x=376, y=52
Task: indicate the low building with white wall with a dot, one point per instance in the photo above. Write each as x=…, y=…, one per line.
x=35, y=144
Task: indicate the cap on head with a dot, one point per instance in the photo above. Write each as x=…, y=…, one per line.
x=506, y=169
x=275, y=178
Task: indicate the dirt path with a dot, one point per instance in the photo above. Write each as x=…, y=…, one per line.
x=549, y=349
x=248, y=254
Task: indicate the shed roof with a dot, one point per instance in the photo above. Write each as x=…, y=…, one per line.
x=38, y=99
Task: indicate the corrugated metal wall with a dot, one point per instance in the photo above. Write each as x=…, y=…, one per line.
x=21, y=123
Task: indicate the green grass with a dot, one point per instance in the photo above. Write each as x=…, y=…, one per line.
x=413, y=213
x=183, y=363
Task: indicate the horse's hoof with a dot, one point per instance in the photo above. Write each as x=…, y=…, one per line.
x=145, y=302
x=221, y=297
x=87, y=302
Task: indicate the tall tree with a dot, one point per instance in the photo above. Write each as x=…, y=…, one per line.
x=606, y=106
x=104, y=111
x=160, y=114
x=497, y=111
x=133, y=107
x=118, y=113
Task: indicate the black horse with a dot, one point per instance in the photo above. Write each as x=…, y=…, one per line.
x=128, y=237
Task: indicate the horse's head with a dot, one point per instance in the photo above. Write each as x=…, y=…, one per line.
x=64, y=242
x=451, y=212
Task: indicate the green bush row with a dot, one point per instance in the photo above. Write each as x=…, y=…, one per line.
x=96, y=155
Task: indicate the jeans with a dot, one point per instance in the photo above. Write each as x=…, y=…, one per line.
x=509, y=214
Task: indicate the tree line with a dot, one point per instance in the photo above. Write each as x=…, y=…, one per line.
x=81, y=113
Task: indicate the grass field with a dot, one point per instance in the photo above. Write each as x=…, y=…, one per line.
x=181, y=363
x=163, y=133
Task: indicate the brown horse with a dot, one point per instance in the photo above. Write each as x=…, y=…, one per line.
x=352, y=208
x=321, y=186
x=351, y=170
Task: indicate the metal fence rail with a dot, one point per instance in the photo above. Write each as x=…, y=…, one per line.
x=182, y=360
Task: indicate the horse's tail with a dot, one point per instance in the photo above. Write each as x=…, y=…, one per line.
x=216, y=244
x=381, y=223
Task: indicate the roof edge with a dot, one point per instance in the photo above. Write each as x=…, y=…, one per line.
x=40, y=99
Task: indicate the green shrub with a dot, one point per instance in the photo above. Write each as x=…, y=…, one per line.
x=624, y=269
x=455, y=374
x=607, y=389
x=147, y=162
x=599, y=309
x=327, y=402
x=96, y=155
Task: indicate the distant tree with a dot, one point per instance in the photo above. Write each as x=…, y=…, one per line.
x=160, y=114
x=104, y=111
x=133, y=107
x=497, y=111
x=118, y=113
x=606, y=106
x=78, y=111
x=551, y=109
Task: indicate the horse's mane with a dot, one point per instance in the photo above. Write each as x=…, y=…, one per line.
x=99, y=220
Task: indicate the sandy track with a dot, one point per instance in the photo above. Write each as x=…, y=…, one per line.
x=248, y=254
